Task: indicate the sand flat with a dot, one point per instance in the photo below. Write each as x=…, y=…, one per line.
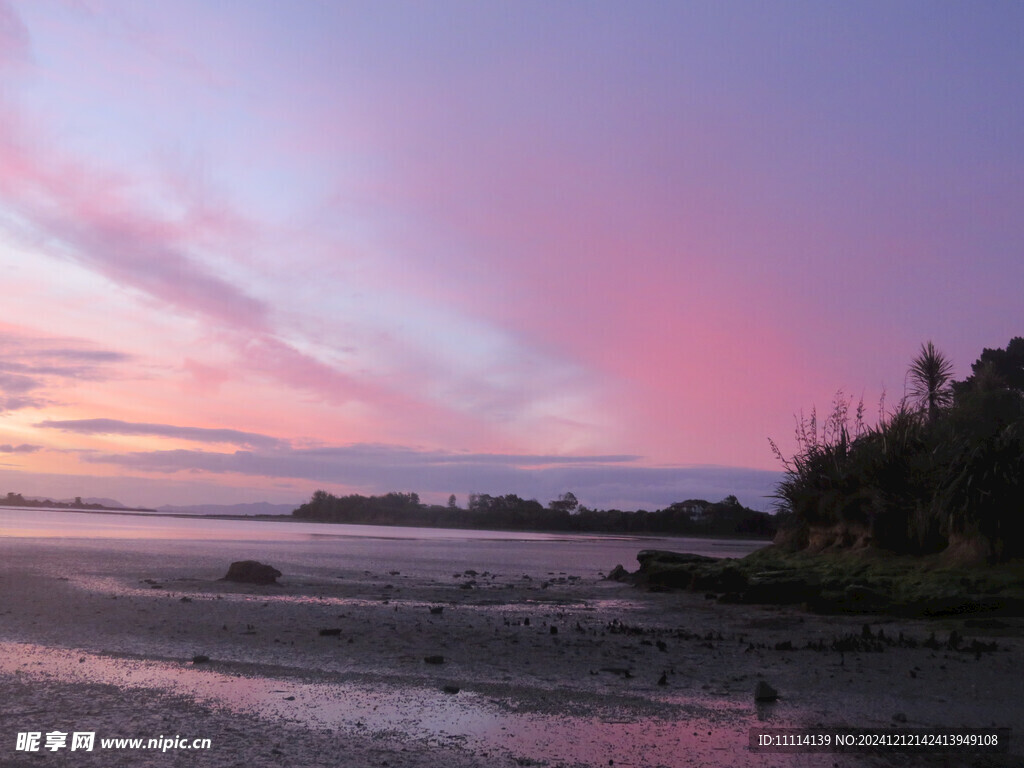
x=551, y=668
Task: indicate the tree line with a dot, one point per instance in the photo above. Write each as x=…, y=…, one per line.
x=17, y=500
x=511, y=513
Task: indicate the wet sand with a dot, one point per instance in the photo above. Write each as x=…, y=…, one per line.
x=551, y=668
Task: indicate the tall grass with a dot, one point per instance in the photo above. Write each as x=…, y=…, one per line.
x=870, y=483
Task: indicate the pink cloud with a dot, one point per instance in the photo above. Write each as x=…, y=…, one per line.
x=205, y=379
x=34, y=367
x=393, y=413
x=90, y=212
x=14, y=37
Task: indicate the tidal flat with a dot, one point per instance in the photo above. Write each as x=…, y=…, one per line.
x=535, y=658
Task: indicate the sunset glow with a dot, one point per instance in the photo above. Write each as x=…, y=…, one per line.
x=251, y=249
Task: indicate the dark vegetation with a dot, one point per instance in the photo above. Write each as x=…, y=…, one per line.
x=941, y=473
x=17, y=500
x=510, y=512
x=919, y=515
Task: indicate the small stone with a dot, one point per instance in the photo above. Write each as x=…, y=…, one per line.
x=618, y=573
x=437, y=610
x=764, y=692
x=452, y=689
x=200, y=658
x=899, y=717
x=663, y=680
x=437, y=659
x=330, y=632
x=553, y=630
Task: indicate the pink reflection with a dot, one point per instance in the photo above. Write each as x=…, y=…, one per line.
x=713, y=734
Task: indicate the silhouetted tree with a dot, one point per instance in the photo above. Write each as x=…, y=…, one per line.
x=996, y=369
x=930, y=375
x=567, y=502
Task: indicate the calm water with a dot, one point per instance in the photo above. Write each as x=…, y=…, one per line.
x=422, y=551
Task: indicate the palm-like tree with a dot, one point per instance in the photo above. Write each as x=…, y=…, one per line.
x=930, y=375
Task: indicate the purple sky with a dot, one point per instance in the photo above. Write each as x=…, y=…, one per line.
x=250, y=249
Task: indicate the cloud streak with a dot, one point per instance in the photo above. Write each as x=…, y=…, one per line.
x=89, y=212
x=23, y=448
x=30, y=365
x=195, y=434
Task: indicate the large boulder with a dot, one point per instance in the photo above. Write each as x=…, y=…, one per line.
x=252, y=572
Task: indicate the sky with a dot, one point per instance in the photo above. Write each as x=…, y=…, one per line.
x=252, y=249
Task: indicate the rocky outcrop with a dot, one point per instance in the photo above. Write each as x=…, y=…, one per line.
x=864, y=581
x=661, y=568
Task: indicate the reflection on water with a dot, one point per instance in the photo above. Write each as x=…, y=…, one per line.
x=41, y=523
x=708, y=726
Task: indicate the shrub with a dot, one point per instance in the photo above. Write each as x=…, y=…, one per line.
x=949, y=469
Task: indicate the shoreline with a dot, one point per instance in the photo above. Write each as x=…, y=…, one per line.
x=121, y=606
x=149, y=513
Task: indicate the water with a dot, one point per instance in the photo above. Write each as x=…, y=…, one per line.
x=308, y=546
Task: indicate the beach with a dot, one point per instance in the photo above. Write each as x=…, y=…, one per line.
x=386, y=660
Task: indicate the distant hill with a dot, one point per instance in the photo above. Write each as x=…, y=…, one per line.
x=106, y=503
x=254, y=508
x=78, y=503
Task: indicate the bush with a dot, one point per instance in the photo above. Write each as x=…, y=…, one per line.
x=950, y=469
